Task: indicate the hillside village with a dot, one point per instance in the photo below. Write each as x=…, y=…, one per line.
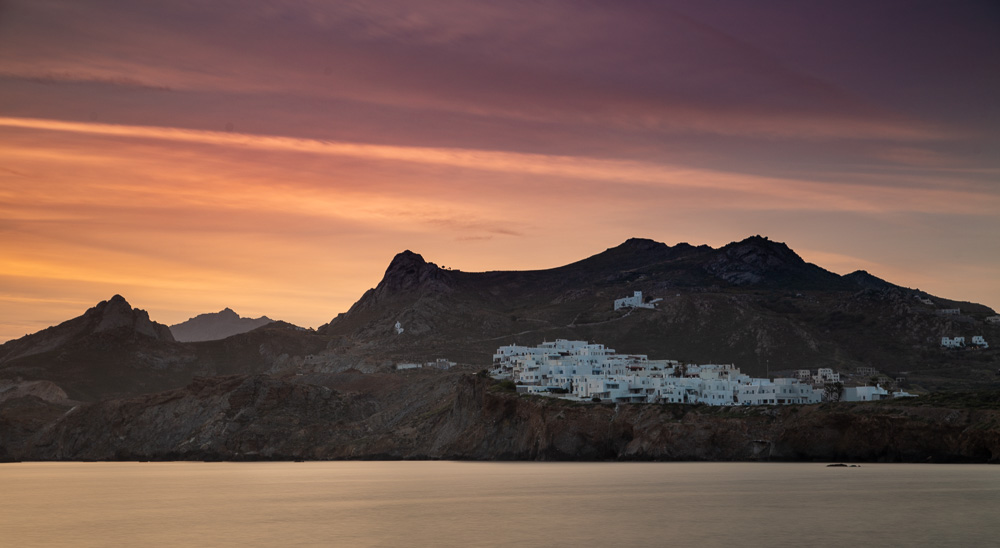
x=584, y=371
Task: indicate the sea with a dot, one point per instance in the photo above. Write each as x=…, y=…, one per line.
x=442, y=503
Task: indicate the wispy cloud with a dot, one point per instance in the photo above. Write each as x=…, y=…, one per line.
x=779, y=193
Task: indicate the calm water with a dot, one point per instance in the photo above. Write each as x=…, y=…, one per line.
x=497, y=504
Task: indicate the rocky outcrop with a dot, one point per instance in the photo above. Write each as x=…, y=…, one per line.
x=116, y=314
x=461, y=416
x=757, y=261
x=43, y=390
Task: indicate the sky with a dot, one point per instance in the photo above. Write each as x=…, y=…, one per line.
x=273, y=156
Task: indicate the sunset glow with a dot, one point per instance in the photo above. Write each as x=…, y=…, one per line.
x=273, y=157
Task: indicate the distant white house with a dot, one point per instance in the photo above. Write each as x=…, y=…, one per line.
x=398, y=328
x=441, y=363
x=865, y=393
x=635, y=301
x=404, y=366
x=950, y=311
x=953, y=342
x=979, y=341
x=864, y=371
x=824, y=375
x=993, y=319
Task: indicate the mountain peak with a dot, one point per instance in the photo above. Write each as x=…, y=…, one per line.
x=407, y=275
x=408, y=270
x=761, y=253
x=406, y=259
x=758, y=260
x=641, y=243
x=117, y=313
x=867, y=280
x=216, y=325
x=114, y=315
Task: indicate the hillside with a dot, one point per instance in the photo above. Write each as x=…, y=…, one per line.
x=754, y=303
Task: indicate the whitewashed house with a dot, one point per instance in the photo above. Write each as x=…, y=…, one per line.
x=955, y=342
x=979, y=341
x=635, y=301
x=825, y=375
x=864, y=393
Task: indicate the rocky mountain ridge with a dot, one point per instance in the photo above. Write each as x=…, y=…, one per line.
x=216, y=326
x=754, y=303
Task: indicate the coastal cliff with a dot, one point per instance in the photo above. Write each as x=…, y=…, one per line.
x=463, y=416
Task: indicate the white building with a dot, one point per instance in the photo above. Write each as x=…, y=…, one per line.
x=587, y=371
x=404, y=366
x=777, y=392
x=398, y=328
x=956, y=342
x=950, y=311
x=635, y=301
x=864, y=371
x=865, y=393
x=979, y=341
x=993, y=319
x=824, y=375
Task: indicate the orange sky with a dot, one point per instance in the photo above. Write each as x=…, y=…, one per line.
x=273, y=158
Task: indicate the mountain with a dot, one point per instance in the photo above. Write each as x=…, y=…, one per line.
x=215, y=326
x=754, y=303
x=112, y=384
x=114, y=350
x=114, y=316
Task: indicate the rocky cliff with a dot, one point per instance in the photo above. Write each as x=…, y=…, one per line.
x=463, y=416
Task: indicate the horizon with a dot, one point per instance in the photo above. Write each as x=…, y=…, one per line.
x=273, y=159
